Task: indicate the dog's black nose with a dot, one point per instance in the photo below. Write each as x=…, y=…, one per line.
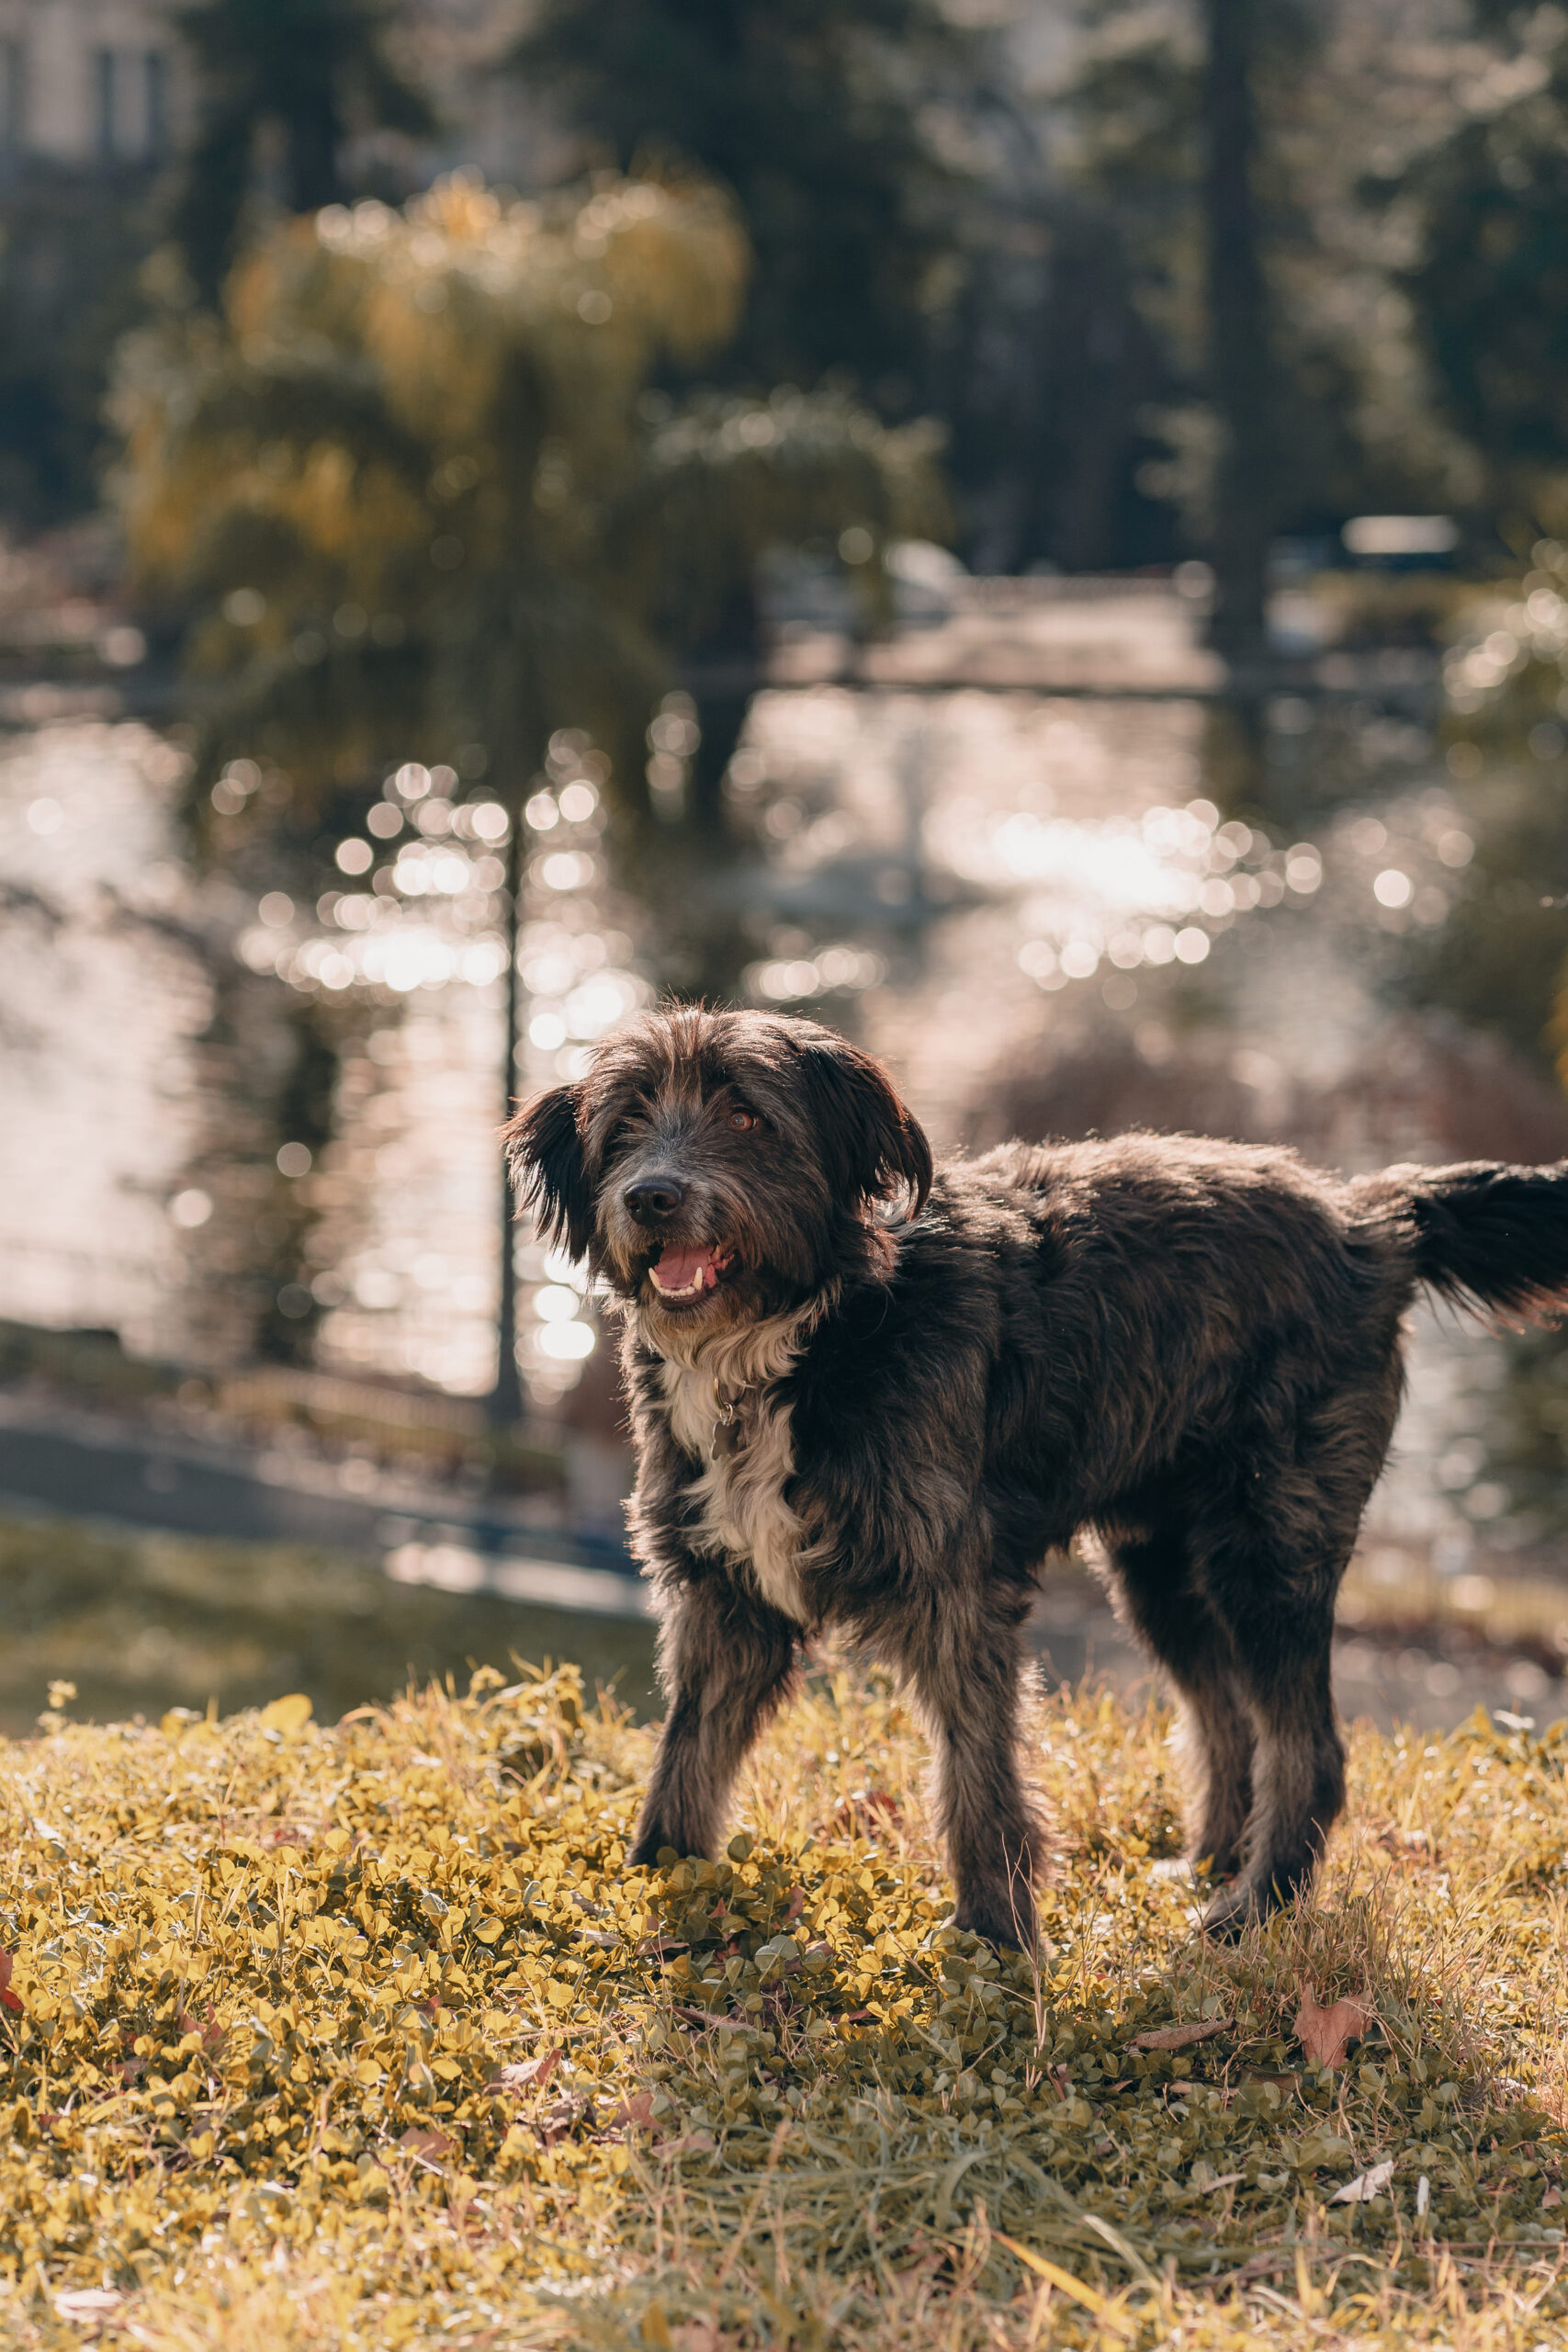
x=652, y=1197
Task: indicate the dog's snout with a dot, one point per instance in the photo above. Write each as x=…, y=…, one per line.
x=653, y=1197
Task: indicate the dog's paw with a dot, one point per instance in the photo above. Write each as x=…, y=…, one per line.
x=654, y=1851
x=1003, y=1932
x=1231, y=1914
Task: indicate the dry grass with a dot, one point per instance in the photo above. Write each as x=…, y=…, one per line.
x=273, y=1978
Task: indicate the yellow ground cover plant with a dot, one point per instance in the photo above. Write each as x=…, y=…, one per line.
x=365, y=2036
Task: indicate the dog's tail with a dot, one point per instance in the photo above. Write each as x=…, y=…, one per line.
x=1481, y=1234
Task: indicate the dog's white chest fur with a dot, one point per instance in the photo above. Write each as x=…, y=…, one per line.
x=740, y=1497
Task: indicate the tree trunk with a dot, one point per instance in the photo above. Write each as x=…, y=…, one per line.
x=314, y=134
x=1240, y=367
x=505, y=1404
x=1095, y=382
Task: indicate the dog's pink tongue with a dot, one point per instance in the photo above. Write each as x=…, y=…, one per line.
x=678, y=1268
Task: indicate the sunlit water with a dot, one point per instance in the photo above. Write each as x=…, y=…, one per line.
x=102, y=990
x=1046, y=884
x=1013, y=895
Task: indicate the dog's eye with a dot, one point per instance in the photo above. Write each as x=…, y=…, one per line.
x=744, y=1121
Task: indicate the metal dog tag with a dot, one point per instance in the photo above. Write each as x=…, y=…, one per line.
x=729, y=1434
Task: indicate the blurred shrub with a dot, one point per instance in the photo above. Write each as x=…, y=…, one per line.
x=413, y=488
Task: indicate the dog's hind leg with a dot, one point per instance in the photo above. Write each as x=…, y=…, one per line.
x=1278, y=1614
x=1274, y=1512
x=1156, y=1597
x=726, y=1663
x=966, y=1683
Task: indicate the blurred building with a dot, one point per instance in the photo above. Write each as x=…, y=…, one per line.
x=96, y=84
x=88, y=82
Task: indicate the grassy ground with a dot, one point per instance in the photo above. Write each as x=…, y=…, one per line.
x=367, y=2037
x=142, y=1622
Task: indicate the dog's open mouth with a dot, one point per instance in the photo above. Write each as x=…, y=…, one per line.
x=682, y=1276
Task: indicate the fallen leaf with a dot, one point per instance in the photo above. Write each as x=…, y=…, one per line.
x=1326, y=2034
x=1366, y=2185
x=430, y=2146
x=1181, y=2037
x=564, y=2116
x=1554, y=2198
x=530, y=2073
x=9, y=1998
x=638, y=2109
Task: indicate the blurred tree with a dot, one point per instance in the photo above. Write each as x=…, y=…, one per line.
x=414, y=480
x=71, y=246
x=307, y=72
x=810, y=111
x=1172, y=103
x=413, y=492
x=1498, y=960
x=1229, y=142
x=1241, y=368
x=1491, y=286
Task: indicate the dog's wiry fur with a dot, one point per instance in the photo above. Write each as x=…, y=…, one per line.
x=743, y=1510
x=1190, y=1348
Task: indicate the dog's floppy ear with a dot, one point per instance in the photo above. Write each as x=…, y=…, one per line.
x=873, y=1146
x=547, y=1165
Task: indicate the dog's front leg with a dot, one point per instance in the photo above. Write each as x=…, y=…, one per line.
x=726, y=1663
x=968, y=1693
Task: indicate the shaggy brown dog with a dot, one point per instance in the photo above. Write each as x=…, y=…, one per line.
x=883, y=1417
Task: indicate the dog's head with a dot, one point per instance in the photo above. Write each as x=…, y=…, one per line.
x=718, y=1168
